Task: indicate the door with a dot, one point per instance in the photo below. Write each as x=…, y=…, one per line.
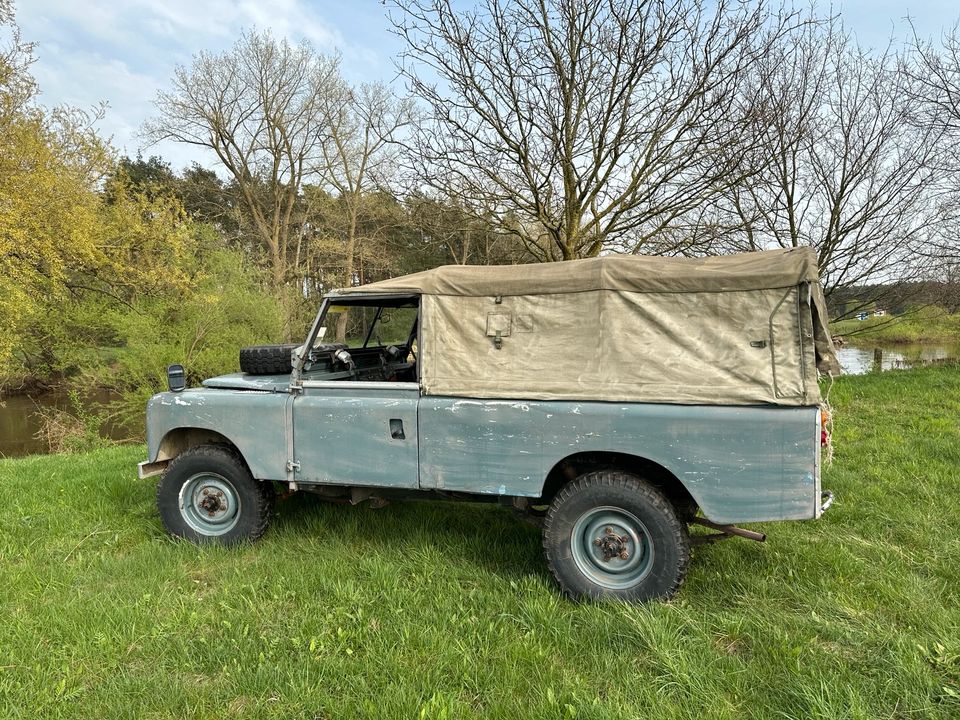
x=357, y=433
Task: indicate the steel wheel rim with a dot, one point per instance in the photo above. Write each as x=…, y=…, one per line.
x=209, y=504
x=598, y=535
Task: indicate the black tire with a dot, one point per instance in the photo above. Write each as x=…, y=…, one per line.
x=267, y=359
x=581, y=539
x=239, y=507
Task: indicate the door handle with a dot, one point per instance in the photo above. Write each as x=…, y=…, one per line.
x=396, y=429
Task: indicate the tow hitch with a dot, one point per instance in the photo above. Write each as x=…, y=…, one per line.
x=726, y=531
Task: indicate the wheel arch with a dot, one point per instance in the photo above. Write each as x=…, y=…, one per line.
x=575, y=465
x=180, y=439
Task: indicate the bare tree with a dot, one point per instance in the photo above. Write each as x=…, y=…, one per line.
x=260, y=107
x=360, y=153
x=457, y=236
x=575, y=124
x=935, y=75
x=840, y=165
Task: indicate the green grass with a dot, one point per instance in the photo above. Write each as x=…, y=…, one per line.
x=927, y=325
x=447, y=611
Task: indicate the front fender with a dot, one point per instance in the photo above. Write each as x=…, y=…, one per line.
x=253, y=421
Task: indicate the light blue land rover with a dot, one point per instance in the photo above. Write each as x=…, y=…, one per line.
x=617, y=399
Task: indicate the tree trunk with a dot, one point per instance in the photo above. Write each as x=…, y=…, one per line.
x=348, y=262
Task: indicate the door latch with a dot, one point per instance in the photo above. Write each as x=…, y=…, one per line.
x=396, y=429
x=293, y=466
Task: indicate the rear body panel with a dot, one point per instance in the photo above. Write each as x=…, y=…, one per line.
x=741, y=464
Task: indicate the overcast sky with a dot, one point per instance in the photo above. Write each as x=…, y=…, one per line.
x=122, y=51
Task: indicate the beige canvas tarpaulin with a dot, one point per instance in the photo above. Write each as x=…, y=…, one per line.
x=737, y=329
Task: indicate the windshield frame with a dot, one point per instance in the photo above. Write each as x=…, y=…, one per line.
x=380, y=300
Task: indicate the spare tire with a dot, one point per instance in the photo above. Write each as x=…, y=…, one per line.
x=267, y=359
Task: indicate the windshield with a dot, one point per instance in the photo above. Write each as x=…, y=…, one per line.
x=366, y=340
x=369, y=326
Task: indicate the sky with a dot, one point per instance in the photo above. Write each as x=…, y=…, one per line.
x=121, y=52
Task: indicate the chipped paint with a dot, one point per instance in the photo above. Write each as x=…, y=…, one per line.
x=741, y=464
x=345, y=439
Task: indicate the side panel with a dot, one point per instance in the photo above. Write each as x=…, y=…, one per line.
x=741, y=464
x=251, y=420
x=347, y=433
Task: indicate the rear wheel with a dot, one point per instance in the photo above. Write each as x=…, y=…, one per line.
x=611, y=535
x=207, y=494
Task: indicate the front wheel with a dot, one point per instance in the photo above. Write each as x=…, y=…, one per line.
x=610, y=535
x=207, y=494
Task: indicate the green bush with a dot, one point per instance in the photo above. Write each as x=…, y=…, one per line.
x=127, y=348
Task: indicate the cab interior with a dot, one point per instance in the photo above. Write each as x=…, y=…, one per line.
x=365, y=339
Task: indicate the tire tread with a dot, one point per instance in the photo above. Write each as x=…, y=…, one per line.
x=266, y=359
x=219, y=451
x=615, y=479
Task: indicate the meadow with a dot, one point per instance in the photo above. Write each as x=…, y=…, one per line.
x=447, y=611
x=931, y=325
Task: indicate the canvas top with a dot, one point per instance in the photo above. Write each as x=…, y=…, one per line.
x=736, y=329
x=626, y=273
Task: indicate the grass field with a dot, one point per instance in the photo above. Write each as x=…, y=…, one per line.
x=928, y=325
x=447, y=611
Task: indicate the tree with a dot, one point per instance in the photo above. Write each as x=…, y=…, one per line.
x=576, y=124
x=207, y=198
x=359, y=154
x=259, y=108
x=152, y=176
x=50, y=164
x=935, y=76
x=453, y=234
x=839, y=165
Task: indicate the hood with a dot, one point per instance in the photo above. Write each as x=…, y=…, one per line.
x=243, y=381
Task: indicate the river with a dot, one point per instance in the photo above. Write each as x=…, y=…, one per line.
x=860, y=359
x=20, y=420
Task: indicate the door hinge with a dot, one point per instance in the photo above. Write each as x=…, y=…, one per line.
x=293, y=466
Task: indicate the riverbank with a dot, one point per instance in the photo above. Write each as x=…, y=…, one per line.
x=928, y=326
x=54, y=419
x=447, y=610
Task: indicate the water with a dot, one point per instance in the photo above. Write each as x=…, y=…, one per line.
x=857, y=359
x=20, y=420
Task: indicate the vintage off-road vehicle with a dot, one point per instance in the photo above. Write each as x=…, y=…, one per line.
x=620, y=398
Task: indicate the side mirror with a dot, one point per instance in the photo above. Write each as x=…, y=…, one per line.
x=176, y=378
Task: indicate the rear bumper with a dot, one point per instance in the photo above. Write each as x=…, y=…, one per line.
x=149, y=469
